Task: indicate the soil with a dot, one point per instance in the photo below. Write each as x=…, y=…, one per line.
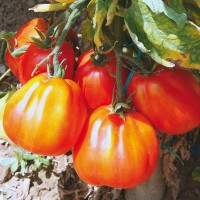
x=59, y=181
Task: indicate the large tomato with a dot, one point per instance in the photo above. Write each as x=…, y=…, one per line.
x=169, y=98
x=97, y=81
x=116, y=151
x=34, y=54
x=45, y=116
x=22, y=38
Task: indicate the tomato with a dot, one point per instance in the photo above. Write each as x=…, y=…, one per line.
x=97, y=82
x=21, y=38
x=115, y=151
x=45, y=116
x=34, y=54
x=169, y=98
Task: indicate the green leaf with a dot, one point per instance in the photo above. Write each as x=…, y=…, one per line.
x=23, y=165
x=196, y=174
x=28, y=156
x=194, y=12
x=159, y=7
x=172, y=152
x=45, y=161
x=194, y=2
x=4, y=35
x=41, y=35
x=8, y=161
x=18, y=51
x=159, y=37
x=177, y=5
x=37, y=164
x=39, y=43
x=14, y=166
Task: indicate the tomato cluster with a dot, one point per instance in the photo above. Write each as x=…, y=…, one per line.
x=111, y=146
x=23, y=65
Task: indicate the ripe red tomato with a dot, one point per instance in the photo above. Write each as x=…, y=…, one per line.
x=21, y=38
x=115, y=151
x=34, y=54
x=45, y=116
x=169, y=98
x=97, y=82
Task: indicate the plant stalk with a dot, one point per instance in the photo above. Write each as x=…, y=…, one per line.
x=68, y=16
x=57, y=68
x=118, y=77
x=135, y=61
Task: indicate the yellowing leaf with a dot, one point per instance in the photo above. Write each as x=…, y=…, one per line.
x=111, y=12
x=49, y=7
x=161, y=38
x=91, y=9
x=196, y=174
x=99, y=18
x=65, y=1
x=102, y=43
x=87, y=33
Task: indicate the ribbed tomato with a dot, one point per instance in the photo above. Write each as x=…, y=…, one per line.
x=116, y=151
x=169, y=98
x=97, y=80
x=45, y=116
x=22, y=38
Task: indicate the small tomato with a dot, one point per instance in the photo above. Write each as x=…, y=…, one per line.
x=21, y=38
x=97, y=81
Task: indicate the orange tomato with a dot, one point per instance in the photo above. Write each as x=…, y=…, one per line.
x=45, y=116
x=116, y=151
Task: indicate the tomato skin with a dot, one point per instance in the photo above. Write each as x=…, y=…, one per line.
x=21, y=38
x=46, y=115
x=116, y=152
x=169, y=99
x=97, y=82
x=35, y=54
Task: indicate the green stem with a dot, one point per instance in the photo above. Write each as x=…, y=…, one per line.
x=63, y=17
x=5, y=74
x=57, y=68
x=135, y=61
x=118, y=77
x=154, y=67
x=68, y=16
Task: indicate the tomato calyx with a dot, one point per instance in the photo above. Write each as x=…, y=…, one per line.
x=6, y=36
x=98, y=59
x=15, y=52
x=120, y=108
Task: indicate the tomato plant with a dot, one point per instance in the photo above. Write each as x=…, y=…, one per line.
x=35, y=54
x=23, y=37
x=97, y=79
x=169, y=98
x=47, y=115
x=116, y=151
